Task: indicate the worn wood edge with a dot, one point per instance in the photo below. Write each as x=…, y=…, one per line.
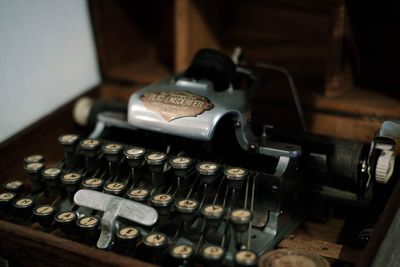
x=328, y=250
x=53, y=246
x=381, y=228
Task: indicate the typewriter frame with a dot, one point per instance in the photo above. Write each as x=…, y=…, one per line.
x=19, y=240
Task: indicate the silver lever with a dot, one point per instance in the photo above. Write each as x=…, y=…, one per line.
x=114, y=207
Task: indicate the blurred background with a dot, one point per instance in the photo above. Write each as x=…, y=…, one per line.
x=343, y=55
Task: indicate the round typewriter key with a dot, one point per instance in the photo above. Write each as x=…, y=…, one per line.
x=134, y=153
x=181, y=251
x=112, y=149
x=33, y=159
x=180, y=162
x=126, y=240
x=208, y=172
x=71, y=181
x=162, y=202
x=6, y=199
x=213, y=214
x=114, y=188
x=23, y=207
x=235, y=176
x=44, y=214
x=93, y=183
x=88, y=226
x=155, y=240
x=34, y=168
x=138, y=194
x=134, y=156
x=212, y=255
x=68, y=139
x=90, y=147
x=14, y=186
x=181, y=165
x=235, y=173
x=155, y=244
x=213, y=211
x=244, y=258
x=156, y=161
x=66, y=221
x=70, y=178
x=207, y=168
x=240, y=219
x=187, y=205
x=155, y=158
x=181, y=255
x=51, y=176
x=187, y=208
x=90, y=144
x=113, y=152
x=291, y=258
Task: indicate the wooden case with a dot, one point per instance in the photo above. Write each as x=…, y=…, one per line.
x=141, y=42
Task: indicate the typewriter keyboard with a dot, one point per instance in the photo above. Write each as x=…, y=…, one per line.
x=203, y=211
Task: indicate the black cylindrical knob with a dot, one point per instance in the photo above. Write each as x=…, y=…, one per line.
x=208, y=171
x=155, y=161
x=134, y=156
x=181, y=255
x=235, y=176
x=88, y=228
x=113, y=152
x=66, y=221
x=240, y=219
x=51, y=176
x=154, y=246
x=181, y=165
x=212, y=255
x=187, y=208
x=23, y=207
x=43, y=214
x=126, y=240
x=213, y=214
x=162, y=202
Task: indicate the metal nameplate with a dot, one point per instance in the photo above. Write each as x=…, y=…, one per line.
x=176, y=104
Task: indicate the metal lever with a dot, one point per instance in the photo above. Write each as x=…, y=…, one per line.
x=114, y=207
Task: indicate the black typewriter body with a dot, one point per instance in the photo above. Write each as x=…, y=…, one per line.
x=181, y=179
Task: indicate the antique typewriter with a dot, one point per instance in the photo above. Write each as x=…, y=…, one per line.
x=179, y=178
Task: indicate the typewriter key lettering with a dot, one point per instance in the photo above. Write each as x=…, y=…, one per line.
x=43, y=210
x=24, y=202
x=66, y=216
x=128, y=232
x=88, y=221
x=155, y=240
x=93, y=181
x=182, y=251
x=6, y=196
x=114, y=186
